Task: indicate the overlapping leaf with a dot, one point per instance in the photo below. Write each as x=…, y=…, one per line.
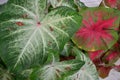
x=58, y=70
x=27, y=33
x=111, y=3
x=87, y=72
x=57, y=3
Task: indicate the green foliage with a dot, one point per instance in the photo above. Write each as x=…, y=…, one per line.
x=31, y=34
x=88, y=70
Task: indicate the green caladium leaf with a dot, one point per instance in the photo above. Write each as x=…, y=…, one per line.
x=88, y=70
x=57, y=70
x=27, y=34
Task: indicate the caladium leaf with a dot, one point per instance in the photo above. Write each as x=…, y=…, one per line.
x=95, y=54
x=79, y=4
x=68, y=3
x=96, y=57
x=111, y=3
x=57, y=70
x=87, y=72
x=67, y=49
x=54, y=3
x=98, y=30
x=35, y=8
x=27, y=33
x=116, y=47
x=57, y=3
x=111, y=57
x=26, y=74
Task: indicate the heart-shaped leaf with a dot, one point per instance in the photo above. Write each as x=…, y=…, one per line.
x=27, y=34
x=98, y=30
x=87, y=72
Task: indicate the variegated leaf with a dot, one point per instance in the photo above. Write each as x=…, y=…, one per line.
x=27, y=33
x=87, y=72
x=57, y=3
x=57, y=70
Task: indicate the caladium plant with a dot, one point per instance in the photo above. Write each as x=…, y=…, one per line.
x=57, y=40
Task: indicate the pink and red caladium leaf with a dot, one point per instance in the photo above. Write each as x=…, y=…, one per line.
x=110, y=57
x=111, y=3
x=116, y=47
x=98, y=30
x=95, y=54
x=96, y=57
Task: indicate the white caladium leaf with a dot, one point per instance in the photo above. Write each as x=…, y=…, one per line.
x=3, y=1
x=57, y=70
x=27, y=33
x=87, y=71
x=91, y=3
